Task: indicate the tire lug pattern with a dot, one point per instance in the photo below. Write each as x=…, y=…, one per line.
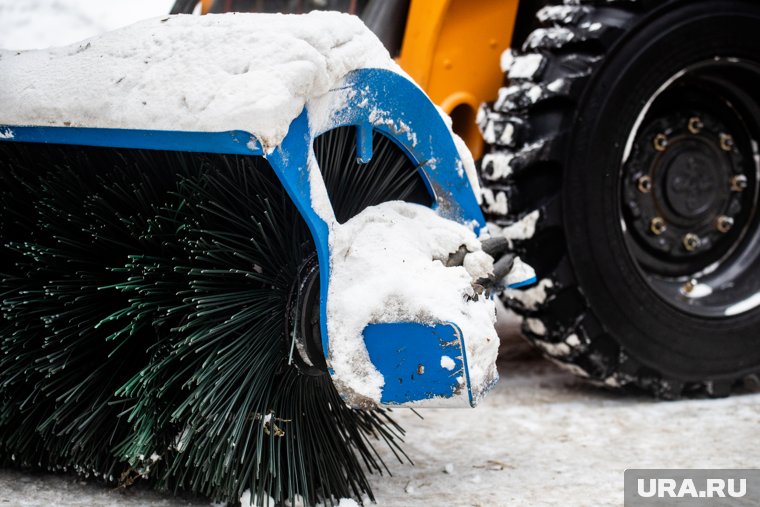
x=550, y=73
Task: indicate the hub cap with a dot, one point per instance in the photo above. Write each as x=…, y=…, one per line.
x=679, y=194
x=689, y=189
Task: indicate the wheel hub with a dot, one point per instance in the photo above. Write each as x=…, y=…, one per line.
x=692, y=183
x=680, y=198
x=303, y=333
x=689, y=190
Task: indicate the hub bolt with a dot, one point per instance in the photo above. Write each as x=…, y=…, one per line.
x=726, y=142
x=691, y=242
x=695, y=125
x=660, y=142
x=689, y=286
x=724, y=223
x=645, y=184
x=738, y=183
x=657, y=226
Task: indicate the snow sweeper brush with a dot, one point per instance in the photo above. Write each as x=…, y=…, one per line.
x=227, y=242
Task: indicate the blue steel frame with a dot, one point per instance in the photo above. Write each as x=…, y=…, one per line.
x=372, y=100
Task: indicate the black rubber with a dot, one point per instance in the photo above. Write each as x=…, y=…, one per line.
x=556, y=136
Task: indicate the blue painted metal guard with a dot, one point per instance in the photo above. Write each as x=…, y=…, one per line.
x=371, y=100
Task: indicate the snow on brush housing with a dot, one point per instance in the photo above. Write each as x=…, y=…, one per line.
x=256, y=73
x=249, y=72
x=389, y=265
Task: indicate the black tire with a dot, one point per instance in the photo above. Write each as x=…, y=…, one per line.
x=579, y=98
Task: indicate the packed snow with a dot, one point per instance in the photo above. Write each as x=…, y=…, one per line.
x=541, y=438
x=521, y=66
x=520, y=273
x=388, y=264
x=468, y=163
x=248, y=499
x=250, y=72
x=522, y=229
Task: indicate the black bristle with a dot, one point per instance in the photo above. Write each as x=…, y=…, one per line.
x=143, y=301
x=388, y=176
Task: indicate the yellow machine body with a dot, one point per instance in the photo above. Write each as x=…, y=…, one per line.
x=452, y=49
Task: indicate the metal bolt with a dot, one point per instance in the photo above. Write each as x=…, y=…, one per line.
x=689, y=286
x=691, y=242
x=657, y=226
x=726, y=142
x=724, y=223
x=660, y=142
x=645, y=184
x=738, y=183
x=695, y=125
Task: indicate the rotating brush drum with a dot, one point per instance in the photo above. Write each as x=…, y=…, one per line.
x=163, y=297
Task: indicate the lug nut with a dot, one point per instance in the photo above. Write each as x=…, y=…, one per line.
x=660, y=142
x=738, y=183
x=657, y=226
x=726, y=142
x=645, y=184
x=689, y=286
x=695, y=125
x=691, y=242
x=724, y=223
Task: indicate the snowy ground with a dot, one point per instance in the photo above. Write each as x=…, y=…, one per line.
x=541, y=438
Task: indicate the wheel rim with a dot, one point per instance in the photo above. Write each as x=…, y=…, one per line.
x=689, y=189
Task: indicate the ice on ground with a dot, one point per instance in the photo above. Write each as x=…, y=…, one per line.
x=247, y=500
x=388, y=265
x=538, y=427
x=250, y=72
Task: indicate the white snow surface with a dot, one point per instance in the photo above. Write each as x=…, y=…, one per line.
x=541, y=438
x=468, y=163
x=37, y=24
x=250, y=72
x=520, y=272
x=447, y=362
x=248, y=500
x=523, y=66
x=387, y=265
x=524, y=228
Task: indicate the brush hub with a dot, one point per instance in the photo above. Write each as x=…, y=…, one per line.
x=303, y=331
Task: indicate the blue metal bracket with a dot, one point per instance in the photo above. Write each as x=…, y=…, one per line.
x=419, y=362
